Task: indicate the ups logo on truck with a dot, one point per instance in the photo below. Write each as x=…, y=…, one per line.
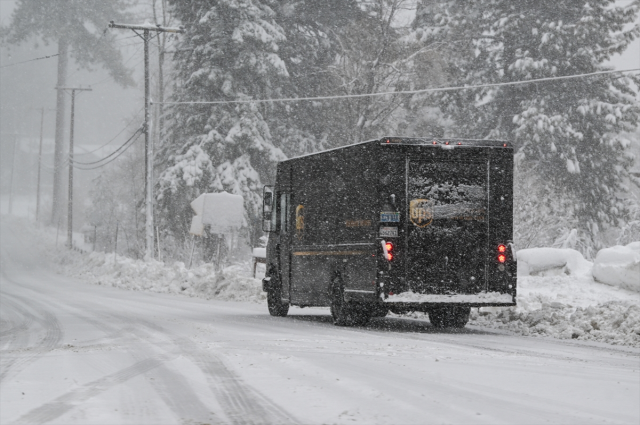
x=299, y=221
x=421, y=212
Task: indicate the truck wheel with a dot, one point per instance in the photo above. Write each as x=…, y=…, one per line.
x=274, y=301
x=346, y=313
x=379, y=311
x=449, y=317
x=361, y=313
x=339, y=307
x=437, y=317
x=461, y=317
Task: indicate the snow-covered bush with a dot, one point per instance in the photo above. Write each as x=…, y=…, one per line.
x=619, y=266
x=540, y=261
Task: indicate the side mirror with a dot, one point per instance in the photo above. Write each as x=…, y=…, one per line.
x=267, y=209
x=268, y=199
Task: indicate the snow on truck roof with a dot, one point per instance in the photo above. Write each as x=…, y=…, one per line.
x=445, y=143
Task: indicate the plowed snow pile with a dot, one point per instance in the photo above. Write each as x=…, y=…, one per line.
x=234, y=283
x=558, y=297
x=557, y=294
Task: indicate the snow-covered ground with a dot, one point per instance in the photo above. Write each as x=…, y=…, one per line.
x=560, y=300
x=558, y=296
x=78, y=353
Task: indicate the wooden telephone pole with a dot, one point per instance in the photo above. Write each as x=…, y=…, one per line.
x=39, y=164
x=70, y=189
x=148, y=157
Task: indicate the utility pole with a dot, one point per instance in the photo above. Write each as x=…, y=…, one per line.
x=39, y=164
x=70, y=189
x=148, y=157
x=40, y=159
x=13, y=166
x=58, y=160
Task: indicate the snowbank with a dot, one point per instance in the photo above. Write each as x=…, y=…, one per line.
x=568, y=306
x=619, y=266
x=614, y=322
x=551, y=261
x=558, y=297
x=234, y=283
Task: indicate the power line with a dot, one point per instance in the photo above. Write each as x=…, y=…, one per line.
x=70, y=51
x=135, y=133
x=30, y=60
x=114, y=137
x=432, y=90
x=117, y=152
x=110, y=77
x=97, y=45
x=111, y=160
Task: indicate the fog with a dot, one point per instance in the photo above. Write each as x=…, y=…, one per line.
x=101, y=114
x=27, y=86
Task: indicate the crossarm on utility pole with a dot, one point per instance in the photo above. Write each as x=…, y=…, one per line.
x=147, y=27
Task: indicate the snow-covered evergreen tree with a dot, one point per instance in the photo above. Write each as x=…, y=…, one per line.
x=313, y=31
x=239, y=50
x=568, y=128
x=229, y=52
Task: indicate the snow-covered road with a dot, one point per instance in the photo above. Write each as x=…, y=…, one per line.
x=77, y=353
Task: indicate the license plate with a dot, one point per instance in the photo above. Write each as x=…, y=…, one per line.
x=390, y=217
x=388, y=232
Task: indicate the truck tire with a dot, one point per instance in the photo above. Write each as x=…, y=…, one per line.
x=449, y=317
x=346, y=313
x=379, y=311
x=274, y=301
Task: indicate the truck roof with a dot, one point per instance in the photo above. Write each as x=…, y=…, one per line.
x=443, y=143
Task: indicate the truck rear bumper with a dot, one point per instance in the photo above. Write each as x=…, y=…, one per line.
x=480, y=299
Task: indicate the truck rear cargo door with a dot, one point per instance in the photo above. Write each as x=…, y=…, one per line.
x=447, y=228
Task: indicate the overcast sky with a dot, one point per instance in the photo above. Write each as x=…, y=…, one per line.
x=105, y=111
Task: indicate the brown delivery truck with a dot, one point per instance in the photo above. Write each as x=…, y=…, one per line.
x=396, y=224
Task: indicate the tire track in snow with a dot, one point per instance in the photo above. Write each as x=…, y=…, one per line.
x=52, y=335
x=20, y=324
x=68, y=401
x=241, y=403
x=173, y=388
x=14, y=336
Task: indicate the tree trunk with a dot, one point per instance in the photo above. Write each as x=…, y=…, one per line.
x=58, y=162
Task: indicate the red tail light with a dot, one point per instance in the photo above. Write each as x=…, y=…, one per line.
x=502, y=257
x=387, y=247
